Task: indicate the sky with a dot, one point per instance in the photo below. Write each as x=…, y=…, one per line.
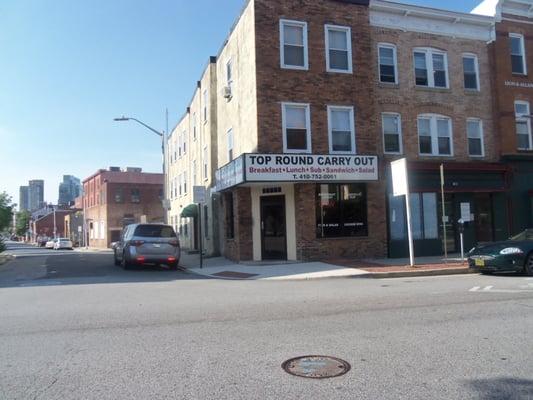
x=67, y=68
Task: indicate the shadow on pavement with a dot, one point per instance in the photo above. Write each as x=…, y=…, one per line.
x=81, y=269
x=504, y=388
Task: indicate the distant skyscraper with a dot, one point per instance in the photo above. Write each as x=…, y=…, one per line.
x=69, y=189
x=24, y=198
x=35, y=194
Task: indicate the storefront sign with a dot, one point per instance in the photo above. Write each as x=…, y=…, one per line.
x=229, y=175
x=315, y=168
x=519, y=84
x=465, y=212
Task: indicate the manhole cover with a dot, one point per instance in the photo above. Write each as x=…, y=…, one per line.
x=317, y=367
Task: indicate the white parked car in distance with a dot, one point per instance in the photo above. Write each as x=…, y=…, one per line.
x=63, y=243
x=50, y=244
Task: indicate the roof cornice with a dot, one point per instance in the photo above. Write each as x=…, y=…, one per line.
x=413, y=18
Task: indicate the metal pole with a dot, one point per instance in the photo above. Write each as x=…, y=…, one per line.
x=462, y=249
x=164, y=200
x=55, y=227
x=409, y=230
x=443, y=213
x=200, y=239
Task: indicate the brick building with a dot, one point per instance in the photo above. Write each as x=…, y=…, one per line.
x=311, y=100
x=512, y=60
x=114, y=198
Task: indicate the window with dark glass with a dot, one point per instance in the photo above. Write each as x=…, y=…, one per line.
x=470, y=72
x=430, y=68
x=474, y=132
x=296, y=127
x=339, y=49
x=293, y=42
x=517, y=53
x=119, y=196
x=341, y=210
x=391, y=133
x=387, y=63
x=135, y=196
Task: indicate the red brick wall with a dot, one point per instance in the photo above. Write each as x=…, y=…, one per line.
x=315, y=86
x=240, y=248
x=505, y=96
x=457, y=103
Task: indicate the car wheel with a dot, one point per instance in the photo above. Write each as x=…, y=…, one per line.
x=117, y=262
x=124, y=263
x=528, y=268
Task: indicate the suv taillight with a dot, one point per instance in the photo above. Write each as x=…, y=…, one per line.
x=174, y=242
x=137, y=243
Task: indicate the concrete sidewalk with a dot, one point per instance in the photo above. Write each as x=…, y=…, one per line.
x=222, y=268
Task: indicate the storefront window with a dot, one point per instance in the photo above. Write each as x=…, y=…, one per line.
x=423, y=216
x=341, y=210
x=230, y=223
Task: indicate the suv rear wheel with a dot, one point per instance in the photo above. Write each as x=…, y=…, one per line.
x=117, y=262
x=124, y=263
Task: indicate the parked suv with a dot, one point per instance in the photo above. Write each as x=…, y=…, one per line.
x=141, y=244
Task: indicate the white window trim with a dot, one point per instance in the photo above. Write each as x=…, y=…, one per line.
x=205, y=108
x=476, y=66
x=523, y=48
x=434, y=134
x=348, y=31
x=229, y=135
x=395, y=59
x=205, y=165
x=528, y=120
x=352, y=129
x=429, y=51
x=184, y=143
x=400, y=136
x=482, y=136
x=303, y=25
x=308, y=126
x=194, y=131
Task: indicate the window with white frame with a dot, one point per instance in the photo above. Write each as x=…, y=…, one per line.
x=180, y=180
x=341, y=129
x=392, y=133
x=338, y=49
x=523, y=125
x=293, y=44
x=518, y=54
x=431, y=68
x=206, y=163
x=184, y=142
x=179, y=145
x=204, y=109
x=296, y=128
x=229, y=76
x=194, y=172
x=387, y=63
x=185, y=182
x=193, y=126
x=470, y=72
x=435, y=135
x=474, y=133
x=230, y=144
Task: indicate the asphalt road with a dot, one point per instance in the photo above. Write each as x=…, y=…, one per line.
x=73, y=326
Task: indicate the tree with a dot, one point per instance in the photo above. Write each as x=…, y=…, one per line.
x=6, y=211
x=23, y=221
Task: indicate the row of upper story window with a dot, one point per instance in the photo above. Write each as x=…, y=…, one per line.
x=435, y=133
x=178, y=147
x=430, y=65
x=178, y=184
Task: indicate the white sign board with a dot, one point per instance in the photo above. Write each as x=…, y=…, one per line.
x=316, y=168
x=399, y=177
x=198, y=194
x=79, y=229
x=465, y=212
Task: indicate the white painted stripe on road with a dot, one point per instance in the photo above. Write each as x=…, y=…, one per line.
x=474, y=289
x=43, y=283
x=487, y=288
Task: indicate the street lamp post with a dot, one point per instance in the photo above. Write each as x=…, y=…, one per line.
x=162, y=136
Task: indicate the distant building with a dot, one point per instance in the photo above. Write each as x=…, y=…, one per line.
x=115, y=198
x=35, y=194
x=24, y=198
x=69, y=189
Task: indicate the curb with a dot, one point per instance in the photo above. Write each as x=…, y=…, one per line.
x=369, y=275
x=427, y=272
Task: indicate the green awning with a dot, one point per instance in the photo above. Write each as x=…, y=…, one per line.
x=190, y=211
